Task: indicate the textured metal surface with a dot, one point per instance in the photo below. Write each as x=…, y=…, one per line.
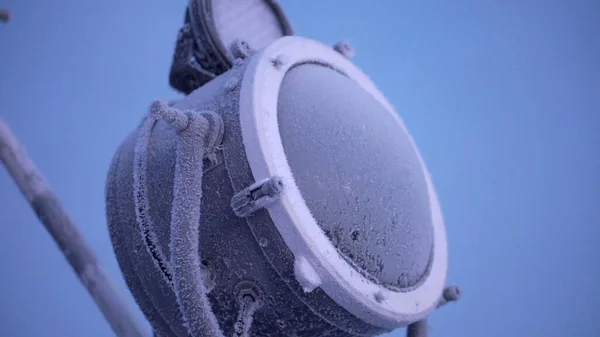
x=234, y=258
x=358, y=173
x=202, y=49
x=253, y=21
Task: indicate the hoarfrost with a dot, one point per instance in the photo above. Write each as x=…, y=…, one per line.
x=140, y=187
x=208, y=277
x=306, y=274
x=189, y=283
x=242, y=325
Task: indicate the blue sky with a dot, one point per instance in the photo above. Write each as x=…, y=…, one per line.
x=502, y=97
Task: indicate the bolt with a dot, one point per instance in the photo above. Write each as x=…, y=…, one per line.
x=379, y=297
x=344, y=48
x=450, y=294
x=279, y=61
x=240, y=49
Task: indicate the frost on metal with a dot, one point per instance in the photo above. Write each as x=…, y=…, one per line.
x=232, y=83
x=199, y=135
x=231, y=252
x=208, y=278
x=256, y=196
x=248, y=305
x=379, y=297
x=279, y=61
x=141, y=198
x=421, y=327
x=195, y=141
x=151, y=290
x=450, y=294
x=306, y=274
x=240, y=49
x=361, y=180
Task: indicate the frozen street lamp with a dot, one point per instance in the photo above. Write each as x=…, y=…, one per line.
x=282, y=197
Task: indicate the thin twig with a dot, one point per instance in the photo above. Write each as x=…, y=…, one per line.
x=68, y=238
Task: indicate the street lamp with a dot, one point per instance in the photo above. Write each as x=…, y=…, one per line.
x=283, y=196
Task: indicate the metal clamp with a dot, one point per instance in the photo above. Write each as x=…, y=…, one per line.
x=256, y=196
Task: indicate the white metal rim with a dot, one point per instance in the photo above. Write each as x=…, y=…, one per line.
x=366, y=300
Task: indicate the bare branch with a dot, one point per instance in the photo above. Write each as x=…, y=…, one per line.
x=59, y=224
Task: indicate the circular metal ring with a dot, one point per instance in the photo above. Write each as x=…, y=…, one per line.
x=362, y=297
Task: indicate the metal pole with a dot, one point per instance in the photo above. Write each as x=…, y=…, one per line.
x=71, y=242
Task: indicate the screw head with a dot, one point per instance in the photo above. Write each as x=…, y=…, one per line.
x=240, y=49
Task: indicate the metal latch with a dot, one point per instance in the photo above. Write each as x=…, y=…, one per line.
x=256, y=196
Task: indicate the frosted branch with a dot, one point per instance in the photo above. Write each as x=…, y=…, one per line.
x=70, y=241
